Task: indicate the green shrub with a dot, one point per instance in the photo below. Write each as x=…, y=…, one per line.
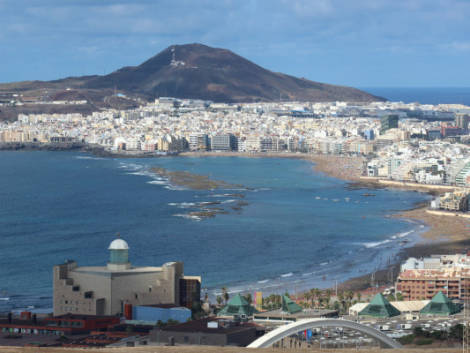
x=423, y=341
x=408, y=339
x=439, y=335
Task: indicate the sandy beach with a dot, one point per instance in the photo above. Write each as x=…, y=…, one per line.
x=441, y=228
x=346, y=168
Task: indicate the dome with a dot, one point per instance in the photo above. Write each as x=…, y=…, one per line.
x=118, y=244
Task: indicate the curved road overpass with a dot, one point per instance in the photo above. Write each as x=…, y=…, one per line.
x=285, y=331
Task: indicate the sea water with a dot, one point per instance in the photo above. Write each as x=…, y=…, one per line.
x=296, y=229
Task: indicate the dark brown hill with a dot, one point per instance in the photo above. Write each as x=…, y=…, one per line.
x=183, y=71
x=201, y=72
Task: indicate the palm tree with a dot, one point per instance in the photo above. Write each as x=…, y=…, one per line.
x=342, y=301
x=328, y=293
x=219, y=299
x=358, y=295
x=248, y=298
x=317, y=293
x=349, y=298
x=307, y=296
x=225, y=294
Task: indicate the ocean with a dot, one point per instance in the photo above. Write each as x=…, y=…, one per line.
x=281, y=225
x=423, y=95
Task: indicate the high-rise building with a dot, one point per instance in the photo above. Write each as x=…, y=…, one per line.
x=198, y=142
x=388, y=122
x=369, y=134
x=225, y=142
x=461, y=121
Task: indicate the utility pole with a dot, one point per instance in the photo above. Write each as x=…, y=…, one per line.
x=465, y=323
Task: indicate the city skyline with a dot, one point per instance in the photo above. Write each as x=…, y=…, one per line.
x=365, y=44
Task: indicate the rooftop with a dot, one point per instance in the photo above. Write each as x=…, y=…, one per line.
x=201, y=326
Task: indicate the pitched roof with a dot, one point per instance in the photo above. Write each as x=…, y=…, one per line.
x=238, y=300
x=238, y=305
x=440, y=304
x=289, y=306
x=379, y=307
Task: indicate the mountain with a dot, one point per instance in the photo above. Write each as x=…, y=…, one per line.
x=201, y=72
x=193, y=71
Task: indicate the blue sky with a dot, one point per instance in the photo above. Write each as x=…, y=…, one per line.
x=352, y=42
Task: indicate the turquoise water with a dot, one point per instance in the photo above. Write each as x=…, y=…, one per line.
x=299, y=228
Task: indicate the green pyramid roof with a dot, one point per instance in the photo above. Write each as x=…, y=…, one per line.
x=440, y=305
x=289, y=306
x=238, y=305
x=379, y=307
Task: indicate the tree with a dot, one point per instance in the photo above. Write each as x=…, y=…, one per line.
x=219, y=299
x=328, y=294
x=248, y=298
x=225, y=294
x=358, y=295
x=307, y=297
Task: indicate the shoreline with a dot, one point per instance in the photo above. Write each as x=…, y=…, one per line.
x=444, y=233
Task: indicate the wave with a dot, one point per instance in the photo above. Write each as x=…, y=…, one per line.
x=260, y=189
x=175, y=188
x=157, y=182
x=287, y=275
x=390, y=239
x=402, y=235
x=263, y=281
x=183, y=204
x=130, y=166
x=188, y=216
x=229, y=201
x=90, y=158
x=377, y=243
x=224, y=195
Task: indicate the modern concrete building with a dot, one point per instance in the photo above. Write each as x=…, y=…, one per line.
x=104, y=290
x=198, y=142
x=225, y=142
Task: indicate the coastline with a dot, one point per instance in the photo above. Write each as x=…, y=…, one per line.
x=444, y=233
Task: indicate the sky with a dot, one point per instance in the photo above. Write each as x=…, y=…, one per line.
x=361, y=43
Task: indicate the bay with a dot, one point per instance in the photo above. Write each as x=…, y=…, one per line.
x=298, y=228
